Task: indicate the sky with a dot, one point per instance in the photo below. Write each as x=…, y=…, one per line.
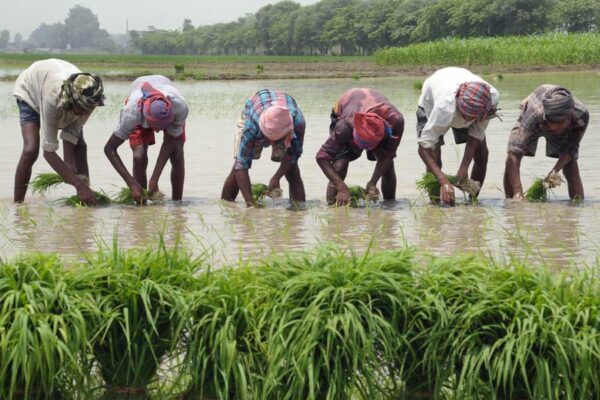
x=24, y=16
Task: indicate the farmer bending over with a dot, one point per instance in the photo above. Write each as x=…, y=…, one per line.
x=153, y=105
x=552, y=112
x=51, y=95
x=270, y=118
x=362, y=119
x=455, y=98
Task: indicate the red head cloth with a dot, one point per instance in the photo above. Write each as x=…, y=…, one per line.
x=474, y=101
x=156, y=107
x=275, y=123
x=369, y=130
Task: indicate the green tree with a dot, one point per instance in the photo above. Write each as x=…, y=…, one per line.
x=4, y=38
x=577, y=15
x=50, y=36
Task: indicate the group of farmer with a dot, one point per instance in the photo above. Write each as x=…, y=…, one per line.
x=55, y=95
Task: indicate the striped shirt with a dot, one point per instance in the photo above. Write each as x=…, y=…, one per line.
x=532, y=125
x=252, y=136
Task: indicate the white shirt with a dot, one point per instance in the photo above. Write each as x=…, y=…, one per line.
x=438, y=99
x=39, y=86
x=132, y=117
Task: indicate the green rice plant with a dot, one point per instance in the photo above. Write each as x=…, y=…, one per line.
x=332, y=323
x=547, y=49
x=138, y=313
x=259, y=191
x=430, y=185
x=509, y=330
x=537, y=191
x=42, y=330
x=225, y=354
x=418, y=86
x=101, y=198
x=358, y=195
x=124, y=196
x=44, y=182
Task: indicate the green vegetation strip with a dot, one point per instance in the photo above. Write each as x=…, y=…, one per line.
x=548, y=49
x=325, y=324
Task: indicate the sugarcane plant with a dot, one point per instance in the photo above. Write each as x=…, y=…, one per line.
x=43, y=331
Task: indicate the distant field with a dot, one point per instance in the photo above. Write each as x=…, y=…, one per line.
x=539, y=50
x=127, y=67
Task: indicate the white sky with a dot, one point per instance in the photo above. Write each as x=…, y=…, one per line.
x=25, y=15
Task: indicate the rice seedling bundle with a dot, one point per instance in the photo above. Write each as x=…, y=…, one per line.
x=332, y=325
x=357, y=195
x=44, y=182
x=225, y=351
x=259, y=191
x=124, y=196
x=537, y=191
x=42, y=330
x=431, y=186
x=101, y=198
x=512, y=330
x=139, y=312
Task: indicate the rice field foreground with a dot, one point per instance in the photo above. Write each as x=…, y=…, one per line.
x=326, y=324
x=539, y=50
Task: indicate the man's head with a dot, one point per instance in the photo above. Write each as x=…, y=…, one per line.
x=276, y=123
x=369, y=130
x=474, y=101
x=81, y=93
x=156, y=108
x=558, y=107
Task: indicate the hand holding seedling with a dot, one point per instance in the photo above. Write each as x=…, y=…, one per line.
x=343, y=196
x=447, y=194
x=274, y=190
x=553, y=180
x=373, y=193
x=86, y=194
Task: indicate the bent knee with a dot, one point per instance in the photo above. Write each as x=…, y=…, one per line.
x=30, y=153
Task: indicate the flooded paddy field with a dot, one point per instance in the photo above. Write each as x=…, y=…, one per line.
x=556, y=233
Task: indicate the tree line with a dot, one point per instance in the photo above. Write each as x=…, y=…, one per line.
x=347, y=27
x=351, y=27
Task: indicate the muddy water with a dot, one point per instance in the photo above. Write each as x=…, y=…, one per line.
x=557, y=232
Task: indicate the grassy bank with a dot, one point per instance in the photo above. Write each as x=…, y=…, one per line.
x=326, y=324
x=542, y=50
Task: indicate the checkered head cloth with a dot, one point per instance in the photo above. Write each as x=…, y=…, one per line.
x=474, y=101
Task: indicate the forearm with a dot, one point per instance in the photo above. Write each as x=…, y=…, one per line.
x=382, y=165
x=563, y=160
x=283, y=169
x=514, y=174
x=166, y=150
x=470, y=150
x=242, y=178
x=429, y=159
x=62, y=169
x=113, y=156
x=70, y=158
x=331, y=174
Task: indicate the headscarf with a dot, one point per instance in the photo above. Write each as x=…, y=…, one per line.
x=558, y=104
x=82, y=90
x=474, y=101
x=369, y=130
x=156, y=107
x=275, y=123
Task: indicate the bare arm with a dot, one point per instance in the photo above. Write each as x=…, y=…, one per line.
x=343, y=194
x=242, y=178
x=169, y=146
x=382, y=165
x=512, y=182
x=84, y=192
x=110, y=149
x=470, y=150
x=447, y=190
